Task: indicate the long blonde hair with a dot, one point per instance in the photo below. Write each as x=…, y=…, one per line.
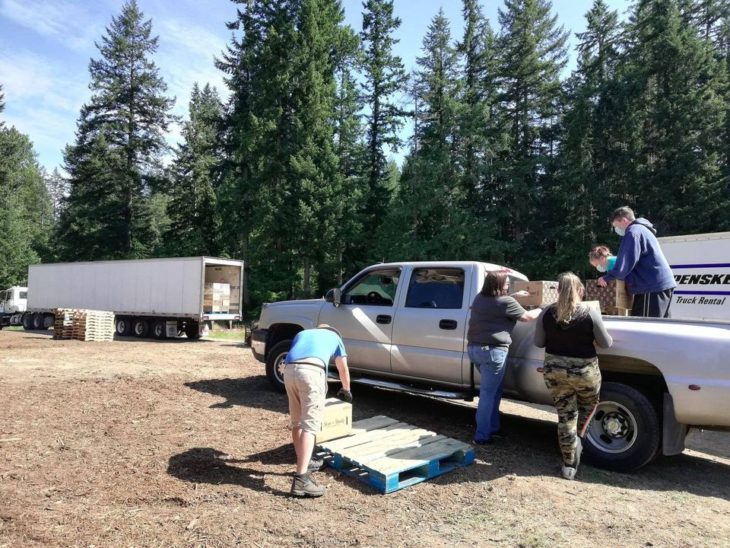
x=570, y=294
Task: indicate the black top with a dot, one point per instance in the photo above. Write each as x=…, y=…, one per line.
x=574, y=339
x=492, y=320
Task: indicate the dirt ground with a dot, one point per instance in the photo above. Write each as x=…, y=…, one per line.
x=183, y=443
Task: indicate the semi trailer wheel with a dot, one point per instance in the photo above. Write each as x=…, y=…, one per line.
x=140, y=327
x=626, y=430
x=192, y=330
x=123, y=326
x=37, y=321
x=159, y=329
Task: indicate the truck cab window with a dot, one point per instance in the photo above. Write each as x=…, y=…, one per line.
x=436, y=288
x=376, y=288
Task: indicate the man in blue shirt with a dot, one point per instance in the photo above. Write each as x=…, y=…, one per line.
x=641, y=263
x=306, y=387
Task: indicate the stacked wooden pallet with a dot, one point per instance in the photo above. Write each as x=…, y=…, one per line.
x=63, y=323
x=84, y=325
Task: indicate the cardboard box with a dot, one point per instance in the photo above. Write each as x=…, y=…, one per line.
x=541, y=292
x=336, y=420
x=216, y=298
x=612, y=297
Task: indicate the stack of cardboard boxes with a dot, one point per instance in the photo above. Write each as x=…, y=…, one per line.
x=612, y=300
x=216, y=298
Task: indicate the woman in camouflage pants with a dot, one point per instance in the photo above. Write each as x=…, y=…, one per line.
x=569, y=331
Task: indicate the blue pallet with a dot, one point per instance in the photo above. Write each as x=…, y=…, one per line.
x=390, y=455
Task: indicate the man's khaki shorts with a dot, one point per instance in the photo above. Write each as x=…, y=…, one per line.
x=306, y=388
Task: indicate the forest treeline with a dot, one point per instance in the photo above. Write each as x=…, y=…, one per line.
x=507, y=158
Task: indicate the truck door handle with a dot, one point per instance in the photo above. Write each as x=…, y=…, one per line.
x=383, y=318
x=447, y=324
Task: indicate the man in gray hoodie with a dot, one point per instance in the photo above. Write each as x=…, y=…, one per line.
x=641, y=263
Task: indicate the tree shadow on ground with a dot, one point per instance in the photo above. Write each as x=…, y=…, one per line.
x=253, y=392
x=529, y=446
x=208, y=465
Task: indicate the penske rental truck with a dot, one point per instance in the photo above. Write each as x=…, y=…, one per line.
x=701, y=267
x=157, y=298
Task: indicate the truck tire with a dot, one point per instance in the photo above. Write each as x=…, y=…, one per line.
x=37, y=321
x=123, y=326
x=159, y=329
x=48, y=320
x=275, y=363
x=626, y=431
x=27, y=322
x=192, y=330
x=140, y=327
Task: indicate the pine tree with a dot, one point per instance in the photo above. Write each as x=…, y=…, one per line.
x=428, y=219
x=583, y=194
x=194, y=223
x=384, y=78
x=682, y=114
x=351, y=152
x=25, y=218
x=532, y=54
x=57, y=187
x=280, y=134
x=114, y=165
x=478, y=134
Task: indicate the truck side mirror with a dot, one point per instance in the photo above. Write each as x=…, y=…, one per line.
x=334, y=296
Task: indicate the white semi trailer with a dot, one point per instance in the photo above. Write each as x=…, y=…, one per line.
x=149, y=297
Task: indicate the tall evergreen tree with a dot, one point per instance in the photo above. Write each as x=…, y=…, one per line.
x=428, y=218
x=280, y=130
x=114, y=165
x=583, y=190
x=350, y=149
x=25, y=209
x=532, y=53
x=194, y=223
x=384, y=79
x=681, y=113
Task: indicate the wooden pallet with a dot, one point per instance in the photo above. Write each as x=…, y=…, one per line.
x=390, y=455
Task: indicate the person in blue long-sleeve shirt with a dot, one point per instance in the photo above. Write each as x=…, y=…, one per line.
x=642, y=265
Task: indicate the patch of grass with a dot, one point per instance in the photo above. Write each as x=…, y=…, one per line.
x=227, y=334
x=13, y=328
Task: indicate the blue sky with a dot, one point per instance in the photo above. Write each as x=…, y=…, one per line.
x=45, y=47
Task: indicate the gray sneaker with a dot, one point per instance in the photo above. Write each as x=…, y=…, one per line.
x=304, y=486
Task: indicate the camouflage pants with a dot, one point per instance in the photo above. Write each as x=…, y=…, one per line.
x=574, y=384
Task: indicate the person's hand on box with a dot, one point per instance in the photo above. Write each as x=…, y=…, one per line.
x=600, y=281
x=344, y=395
x=522, y=293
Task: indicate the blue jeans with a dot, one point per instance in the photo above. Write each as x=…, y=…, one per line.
x=491, y=364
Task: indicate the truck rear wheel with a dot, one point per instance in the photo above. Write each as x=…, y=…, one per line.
x=123, y=326
x=275, y=364
x=626, y=432
x=159, y=329
x=37, y=321
x=140, y=327
x=192, y=330
x=48, y=320
x=27, y=322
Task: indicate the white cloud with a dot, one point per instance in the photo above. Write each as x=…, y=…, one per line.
x=66, y=22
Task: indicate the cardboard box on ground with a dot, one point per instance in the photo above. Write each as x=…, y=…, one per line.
x=336, y=420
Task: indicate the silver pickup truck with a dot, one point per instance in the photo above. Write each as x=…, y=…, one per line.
x=404, y=326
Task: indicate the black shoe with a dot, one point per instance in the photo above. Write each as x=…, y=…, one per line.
x=481, y=442
x=304, y=486
x=315, y=465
